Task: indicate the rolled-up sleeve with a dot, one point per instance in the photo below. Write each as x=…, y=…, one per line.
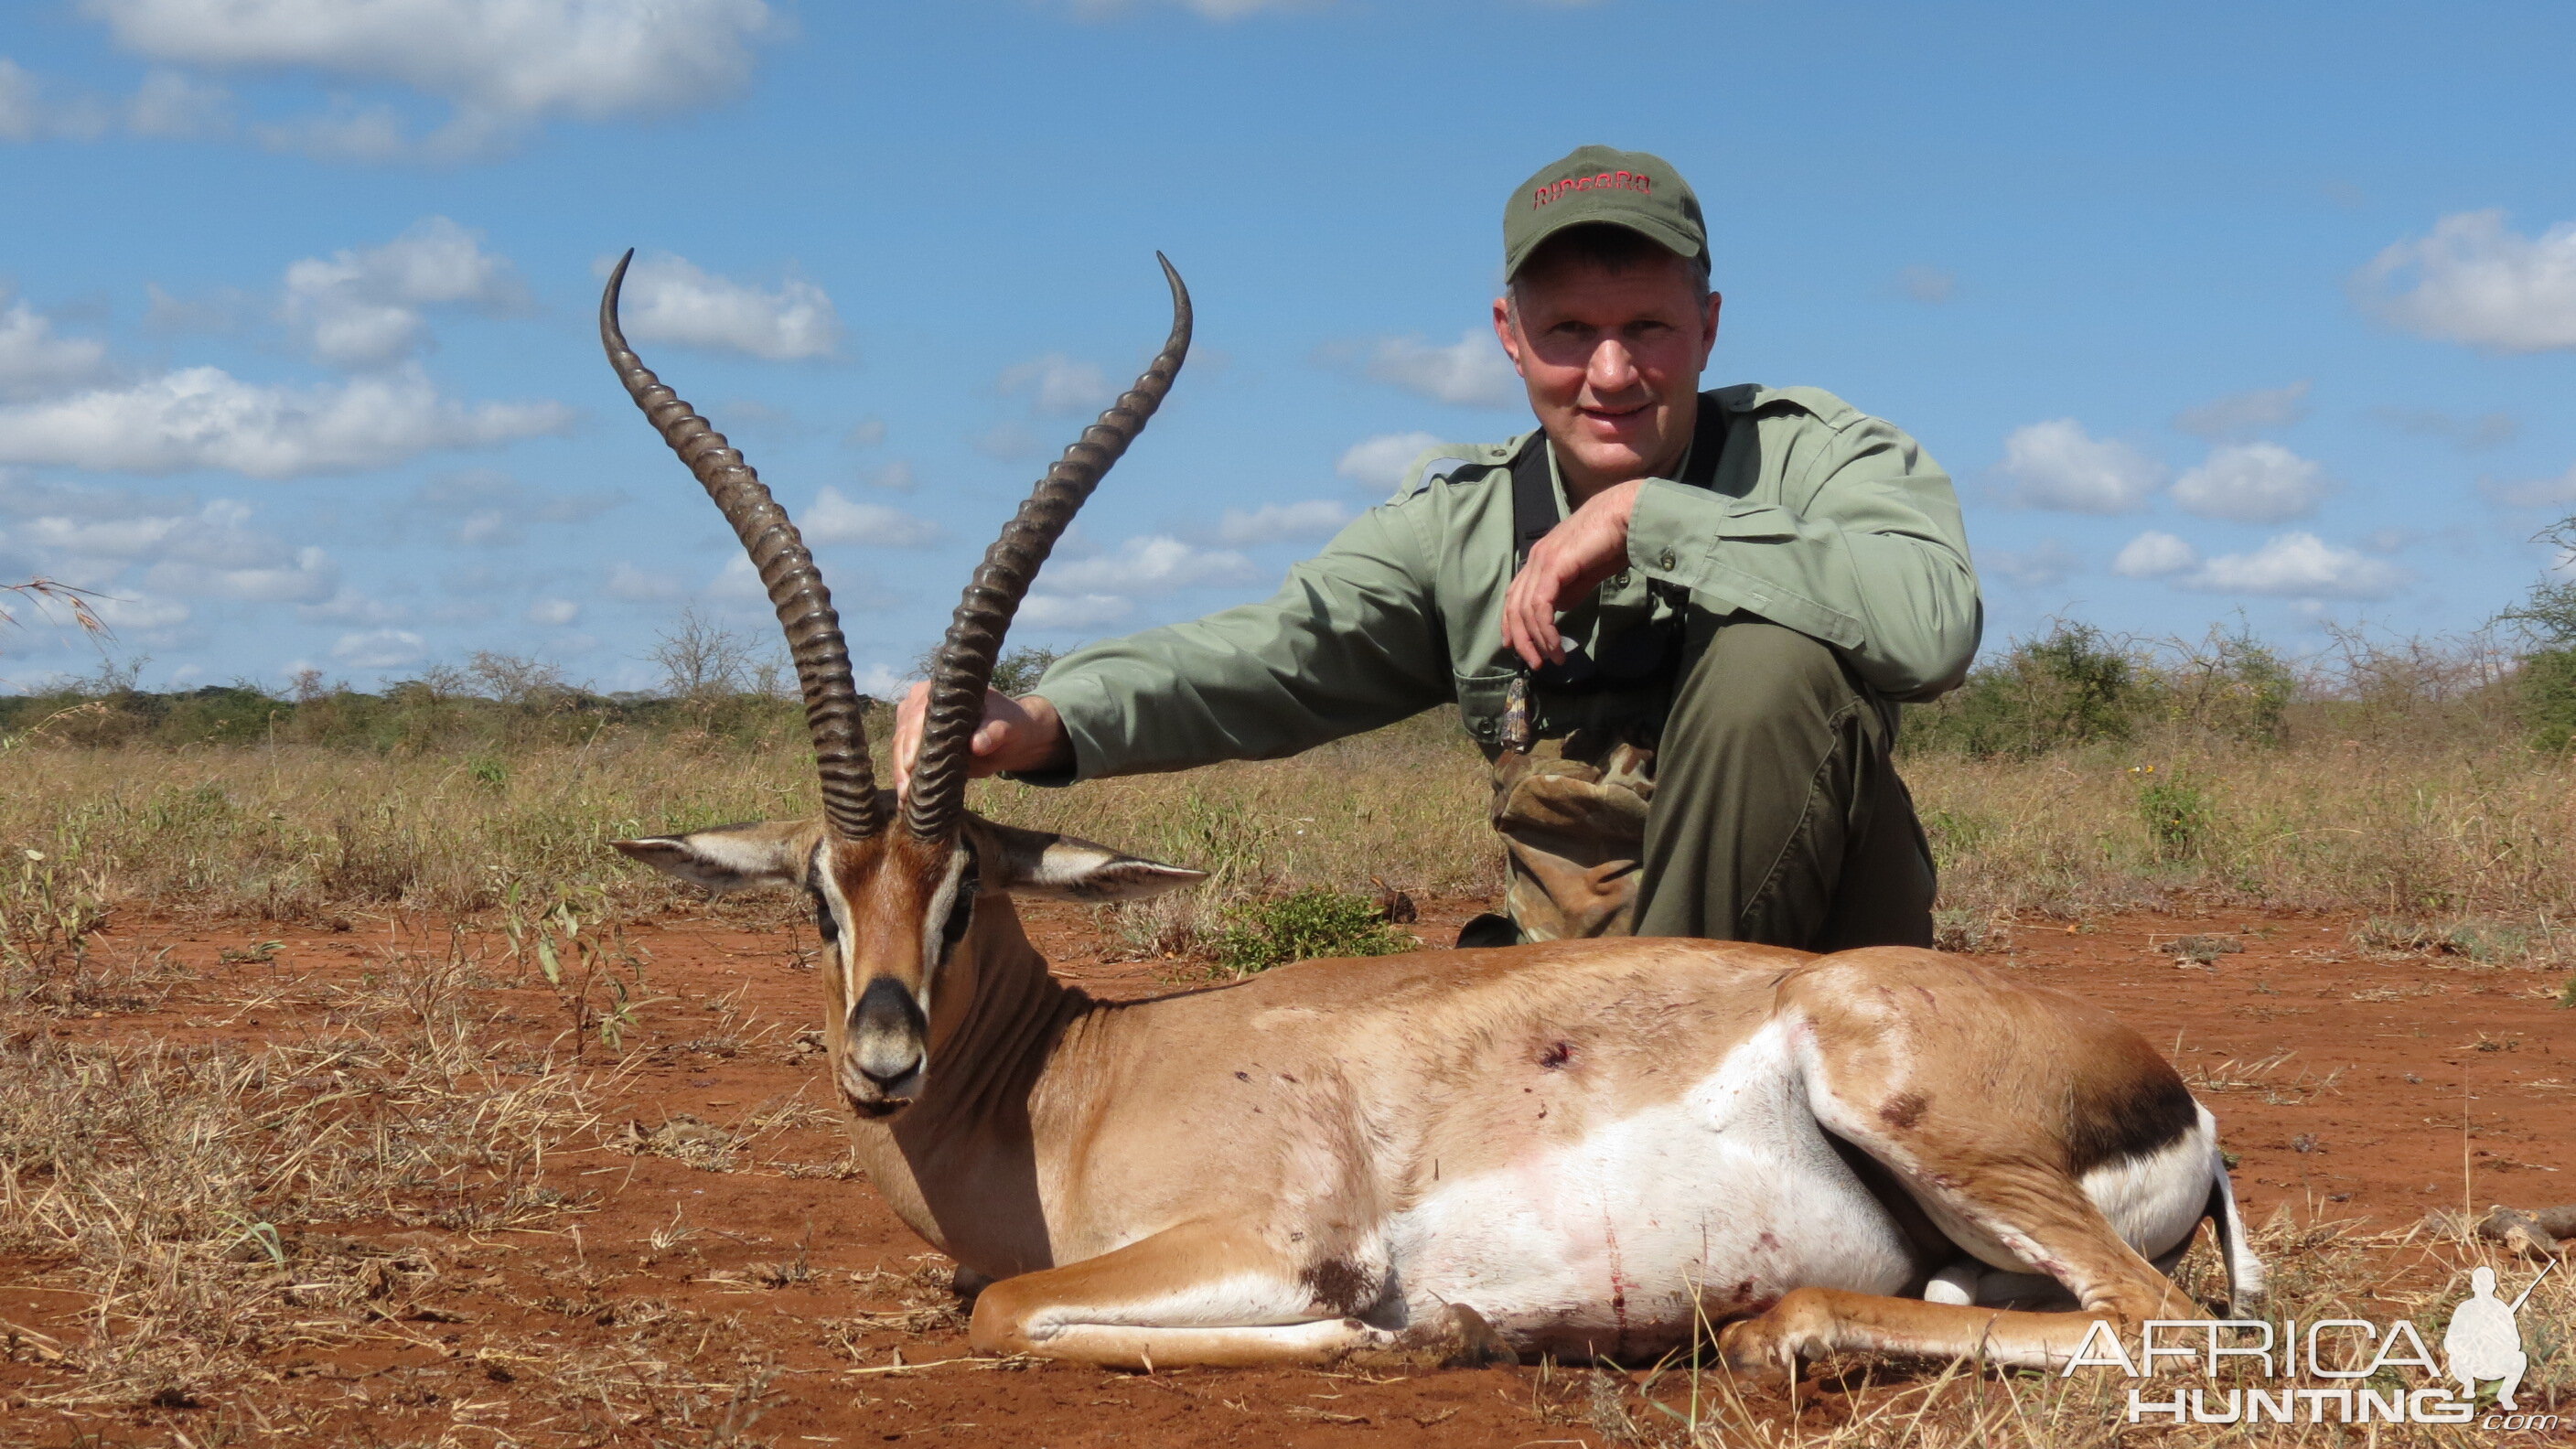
x=1872, y=557
x=1351, y=641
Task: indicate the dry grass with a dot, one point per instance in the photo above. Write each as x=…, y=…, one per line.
x=188, y=1190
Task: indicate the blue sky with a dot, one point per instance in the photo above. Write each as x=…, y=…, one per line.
x=2210, y=309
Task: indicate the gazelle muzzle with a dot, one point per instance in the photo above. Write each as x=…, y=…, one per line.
x=884, y=1046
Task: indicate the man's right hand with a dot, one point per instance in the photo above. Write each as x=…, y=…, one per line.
x=1017, y=734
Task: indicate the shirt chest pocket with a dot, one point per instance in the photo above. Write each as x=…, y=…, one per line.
x=1480, y=702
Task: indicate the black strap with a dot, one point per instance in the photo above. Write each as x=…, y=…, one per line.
x=1534, y=509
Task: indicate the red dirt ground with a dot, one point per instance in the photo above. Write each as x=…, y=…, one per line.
x=2350, y=1082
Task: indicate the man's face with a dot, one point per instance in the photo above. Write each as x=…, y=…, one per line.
x=1612, y=360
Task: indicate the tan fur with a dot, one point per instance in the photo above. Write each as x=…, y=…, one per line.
x=1206, y=1177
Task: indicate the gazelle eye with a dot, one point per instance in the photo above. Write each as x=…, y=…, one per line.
x=824, y=925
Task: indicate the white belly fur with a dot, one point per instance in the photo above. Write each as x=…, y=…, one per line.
x=1597, y=1247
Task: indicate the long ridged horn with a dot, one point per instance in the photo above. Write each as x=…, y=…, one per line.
x=833, y=710
x=937, y=797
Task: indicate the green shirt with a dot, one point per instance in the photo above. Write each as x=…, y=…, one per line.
x=1820, y=517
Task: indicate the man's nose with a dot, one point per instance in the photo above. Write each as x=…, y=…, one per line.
x=1612, y=370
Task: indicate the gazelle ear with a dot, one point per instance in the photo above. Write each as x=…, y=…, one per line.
x=1062, y=868
x=740, y=857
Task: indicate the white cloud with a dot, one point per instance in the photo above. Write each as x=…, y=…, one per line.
x=2298, y=566
x=1206, y=9
x=1379, y=463
x=1279, y=522
x=129, y=613
x=2056, y=464
x=1470, y=372
x=380, y=649
x=2473, y=280
x=1056, y=383
x=362, y=308
x=1151, y=563
x=503, y=65
x=1928, y=285
x=2039, y=567
x=2471, y=433
x=348, y=606
x=865, y=434
x=640, y=586
x=1084, y=611
x=35, y=362
x=2253, y=483
x=894, y=477
x=172, y=106
x=308, y=577
x=835, y=519
x=491, y=507
x=2241, y=413
x=668, y=299
x=553, y=612
x=31, y=110
x=2555, y=492
x=203, y=417
x=2154, y=555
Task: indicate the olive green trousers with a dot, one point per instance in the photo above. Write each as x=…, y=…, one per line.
x=1767, y=808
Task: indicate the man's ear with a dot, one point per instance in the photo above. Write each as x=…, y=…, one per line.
x=1047, y=866
x=740, y=857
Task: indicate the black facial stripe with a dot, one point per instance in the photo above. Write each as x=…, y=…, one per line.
x=824, y=925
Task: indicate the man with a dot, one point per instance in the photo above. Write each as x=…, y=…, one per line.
x=1688, y=688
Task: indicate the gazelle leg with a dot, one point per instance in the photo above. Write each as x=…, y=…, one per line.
x=1812, y=1322
x=1202, y=1294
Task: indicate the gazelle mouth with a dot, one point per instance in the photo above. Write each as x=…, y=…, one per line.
x=881, y=1108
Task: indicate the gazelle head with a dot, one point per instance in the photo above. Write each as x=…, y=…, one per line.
x=911, y=897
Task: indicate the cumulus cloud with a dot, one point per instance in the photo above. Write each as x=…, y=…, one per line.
x=2057, y=465
x=484, y=507
x=1928, y=285
x=1077, y=611
x=380, y=649
x=34, y=362
x=1153, y=563
x=1279, y=522
x=32, y=110
x=172, y=106
x=834, y=519
x=640, y=586
x=2297, y=566
x=1378, y=463
x=2240, y=414
x=2474, y=280
x=203, y=417
x=2485, y=430
x=209, y=551
x=2039, y=567
x=668, y=299
x=1470, y=372
x=554, y=613
x=1057, y=384
x=2253, y=483
x=362, y=308
x=2155, y=555
x=501, y=65
x=133, y=613
x=2555, y=492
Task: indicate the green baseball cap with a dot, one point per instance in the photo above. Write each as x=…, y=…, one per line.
x=1634, y=189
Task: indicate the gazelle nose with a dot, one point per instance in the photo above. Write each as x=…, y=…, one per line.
x=885, y=1033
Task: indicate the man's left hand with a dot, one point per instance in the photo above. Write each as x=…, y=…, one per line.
x=1571, y=561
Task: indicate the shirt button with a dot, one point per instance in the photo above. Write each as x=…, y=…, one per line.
x=1666, y=561
x=1619, y=580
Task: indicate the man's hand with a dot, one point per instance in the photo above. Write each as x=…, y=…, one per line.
x=1571, y=561
x=1017, y=734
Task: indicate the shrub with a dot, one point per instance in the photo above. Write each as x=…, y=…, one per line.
x=2177, y=815
x=2547, y=685
x=2072, y=687
x=1313, y=922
